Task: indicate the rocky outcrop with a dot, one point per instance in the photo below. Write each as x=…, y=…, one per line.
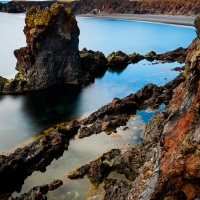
x=177, y=7
x=16, y=167
x=118, y=58
x=39, y=192
x=93, y=62
x=178, y=55
x=166, y=164
x=51, y=56
x=36, y=156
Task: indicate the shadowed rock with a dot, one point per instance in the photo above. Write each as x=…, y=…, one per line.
x=16, y=167
x=39, y=192
x=51, y=56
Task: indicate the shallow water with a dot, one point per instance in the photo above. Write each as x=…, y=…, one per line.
x=25, y=116
x=80, y=152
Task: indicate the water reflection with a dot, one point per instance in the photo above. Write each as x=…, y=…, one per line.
x=81, y=151
x=25, y=116
x=52, y=105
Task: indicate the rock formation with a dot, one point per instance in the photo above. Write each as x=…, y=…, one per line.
x=94, y=63
x=51, y=56
x=167, y=164
x=33, y=157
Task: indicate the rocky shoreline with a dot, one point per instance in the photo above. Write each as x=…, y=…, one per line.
x=93, y=64
x=164, y=166
x=39, y=154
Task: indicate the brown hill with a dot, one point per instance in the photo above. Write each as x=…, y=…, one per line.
x=179, y=7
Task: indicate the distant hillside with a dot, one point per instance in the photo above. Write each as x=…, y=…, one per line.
x=172, y=7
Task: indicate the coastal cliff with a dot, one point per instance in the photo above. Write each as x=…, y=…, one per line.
x=51, y=56
x=175, y=7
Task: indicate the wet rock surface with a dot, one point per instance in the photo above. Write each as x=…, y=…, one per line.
x=166, y=164
x=39, y=192
x=24, y=161
x=178, y=55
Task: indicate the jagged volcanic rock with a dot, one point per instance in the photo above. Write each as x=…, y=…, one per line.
x=93, y=62
x=39, y=192
x=51, y=56
x=166, y=166
x=17, y=166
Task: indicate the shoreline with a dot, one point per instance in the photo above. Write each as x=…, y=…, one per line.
x=183, y=20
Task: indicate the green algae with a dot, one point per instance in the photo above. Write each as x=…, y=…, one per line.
x=35, y=17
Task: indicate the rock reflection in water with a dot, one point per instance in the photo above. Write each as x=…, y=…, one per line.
x=84, y=150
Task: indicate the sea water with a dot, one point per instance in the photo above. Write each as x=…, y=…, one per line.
x=25, y=116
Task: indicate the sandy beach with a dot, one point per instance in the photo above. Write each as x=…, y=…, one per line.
x=167, y=19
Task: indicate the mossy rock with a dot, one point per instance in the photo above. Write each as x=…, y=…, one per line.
x=117, y=58
x=150, y=55
x=57, y=8
x=30, y=17
x=135, y=57
x=42, y=18
x=2, y=83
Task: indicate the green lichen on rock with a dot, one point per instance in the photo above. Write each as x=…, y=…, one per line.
x=118, y=57
x=150, y=55
x=135, y=57
x=36, y=17
x=2, y=83
x=42, y=18
x=30, y=17
x=57, y=8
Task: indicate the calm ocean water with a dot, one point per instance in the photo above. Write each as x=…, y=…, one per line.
x=27, y=115
x=24, y=116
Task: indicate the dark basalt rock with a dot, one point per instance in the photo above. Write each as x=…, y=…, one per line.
x=150, y=55
x=39, y=192
x=16, y=167
x=108, y=123
x=117, y=59
x=2, y=83
x=51, y=56
x=166, y=164
x=96, y=170
x=116, y=189
x=135, y=57
x=69, y=129
x=178, y=55
x=93, y=62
